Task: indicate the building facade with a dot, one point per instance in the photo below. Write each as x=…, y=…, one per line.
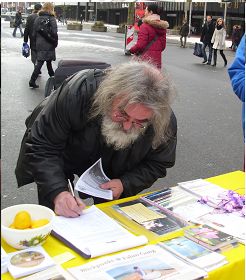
x=174, y=12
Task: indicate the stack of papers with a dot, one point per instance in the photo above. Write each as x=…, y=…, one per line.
x=94, y=234
x=210, y=238
x=194, y=253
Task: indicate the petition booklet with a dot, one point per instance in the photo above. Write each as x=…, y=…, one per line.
x=90, y=181
x=194, y=253
x=148, y=262
x=94, y=234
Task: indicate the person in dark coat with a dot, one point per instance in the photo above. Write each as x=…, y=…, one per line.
x=121, y=115
x=206, y=36
x=236, y=37
x=18, y=23
x=46, y=42
x=28, y=32
x=152, y=30
x=184, y=31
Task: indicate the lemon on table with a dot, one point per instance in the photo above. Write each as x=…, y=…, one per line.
x=39, y=223
x=12, y=225
x=22, y=220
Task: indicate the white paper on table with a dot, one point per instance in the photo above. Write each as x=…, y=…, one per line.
x=94, y=233
x=90, y=181
x=201, y=188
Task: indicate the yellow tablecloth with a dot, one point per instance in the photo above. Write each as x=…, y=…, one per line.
x=235, y=269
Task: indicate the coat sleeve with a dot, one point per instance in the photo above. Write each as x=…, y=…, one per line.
x=237, y=71
x=143, y=40
x=48, y=138
x=153, y=167
x=213, y=38
x=27, y=30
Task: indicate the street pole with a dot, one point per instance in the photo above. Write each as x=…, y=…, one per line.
x=205, y=12
x=95, y=11
x=190, y=11
x=225, y=12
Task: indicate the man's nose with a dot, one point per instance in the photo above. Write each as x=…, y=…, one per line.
x=127, y=125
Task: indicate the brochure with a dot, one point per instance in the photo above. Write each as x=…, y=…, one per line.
x=149, y=262
x=94, y=234
x=90, y=181
x=155, y=219
x=209, y=237
x=28, y=261
x=194, y=253
x=200, y=187
x=179, y=202
x=52, y=273
x=226, y=222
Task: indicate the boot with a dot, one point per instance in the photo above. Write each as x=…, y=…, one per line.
x=224, y=58
x=215, y=59
x=32, y=84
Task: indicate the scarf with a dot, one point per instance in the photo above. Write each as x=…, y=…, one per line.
x=219, y=27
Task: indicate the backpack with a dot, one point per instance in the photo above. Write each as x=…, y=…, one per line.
x=45, y=30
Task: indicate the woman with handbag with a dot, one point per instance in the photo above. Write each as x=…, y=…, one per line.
x=218, y=40
x=46, y=38
x=151, y=37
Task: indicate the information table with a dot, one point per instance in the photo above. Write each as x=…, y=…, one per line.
x=235, y=269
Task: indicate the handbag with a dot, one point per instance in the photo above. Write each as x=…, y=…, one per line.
x=198, y=50
x=25, y=50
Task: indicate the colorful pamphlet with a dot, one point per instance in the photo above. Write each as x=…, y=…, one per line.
x=28, y=261
x=209, y=237
x=158, y=220
x=194, y=253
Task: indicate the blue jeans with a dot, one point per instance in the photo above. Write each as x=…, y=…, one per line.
x=210, y=52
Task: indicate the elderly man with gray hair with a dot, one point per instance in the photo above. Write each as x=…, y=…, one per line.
x=121, y=115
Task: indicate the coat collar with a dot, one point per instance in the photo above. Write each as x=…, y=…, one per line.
x=157, y=23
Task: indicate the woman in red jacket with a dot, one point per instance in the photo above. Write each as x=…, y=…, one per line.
x=151, y=36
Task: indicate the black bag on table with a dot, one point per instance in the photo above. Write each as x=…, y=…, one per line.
x=198, y=50
x=67, y=68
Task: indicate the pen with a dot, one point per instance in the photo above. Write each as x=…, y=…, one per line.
x=71, y=188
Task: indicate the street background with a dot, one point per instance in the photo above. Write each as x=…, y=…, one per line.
x=210, y=138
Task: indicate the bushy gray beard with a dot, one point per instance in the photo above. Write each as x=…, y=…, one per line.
x=115, y=135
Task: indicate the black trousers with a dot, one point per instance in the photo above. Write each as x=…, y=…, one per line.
x=222, y=55
x=38, y=67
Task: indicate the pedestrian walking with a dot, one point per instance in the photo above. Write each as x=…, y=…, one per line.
x=218, y=41
x=236, y=37
x=184, y=31
x=122, y=116
x=151, y=36
x=206, y=36
x=45, y=34
x=18, y=23
x=28, y=32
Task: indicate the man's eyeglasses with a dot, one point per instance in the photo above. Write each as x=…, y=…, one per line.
x=122, y=116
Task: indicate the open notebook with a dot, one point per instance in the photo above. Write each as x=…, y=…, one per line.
x=94, y=234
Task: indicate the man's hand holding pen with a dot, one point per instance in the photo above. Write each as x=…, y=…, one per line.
x=68, y=205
